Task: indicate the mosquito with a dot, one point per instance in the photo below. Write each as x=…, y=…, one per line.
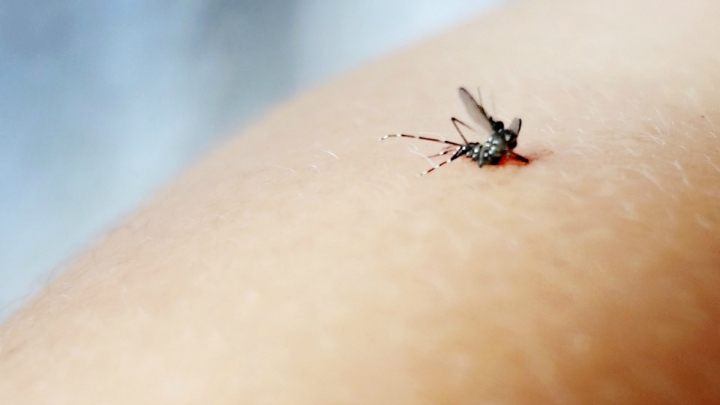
x=497, y=148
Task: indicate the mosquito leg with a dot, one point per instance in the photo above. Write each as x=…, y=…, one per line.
x=455, y=122
x=424, y=138
x=513, y=155
x=445, y=152
x=437, y=166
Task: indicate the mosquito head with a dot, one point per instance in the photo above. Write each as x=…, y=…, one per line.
x=498, y=126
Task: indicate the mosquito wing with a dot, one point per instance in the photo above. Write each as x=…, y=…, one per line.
x=515, y=126
x=475, y=110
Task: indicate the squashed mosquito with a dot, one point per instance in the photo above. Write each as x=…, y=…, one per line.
x=496, y=149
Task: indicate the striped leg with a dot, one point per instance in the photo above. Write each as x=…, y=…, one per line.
x=457, y=154
x=424, y=138
x=444, y=152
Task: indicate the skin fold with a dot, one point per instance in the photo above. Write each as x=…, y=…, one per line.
x=302, y=262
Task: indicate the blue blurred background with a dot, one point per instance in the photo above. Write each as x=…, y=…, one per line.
x=103, y=101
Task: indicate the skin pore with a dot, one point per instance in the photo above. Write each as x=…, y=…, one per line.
x=303, y=263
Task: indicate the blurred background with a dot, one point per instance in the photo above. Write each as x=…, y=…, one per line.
x=102, y=101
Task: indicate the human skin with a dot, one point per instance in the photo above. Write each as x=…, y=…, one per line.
x=303, y=263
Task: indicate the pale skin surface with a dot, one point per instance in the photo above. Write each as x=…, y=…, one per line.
x=303, y=263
